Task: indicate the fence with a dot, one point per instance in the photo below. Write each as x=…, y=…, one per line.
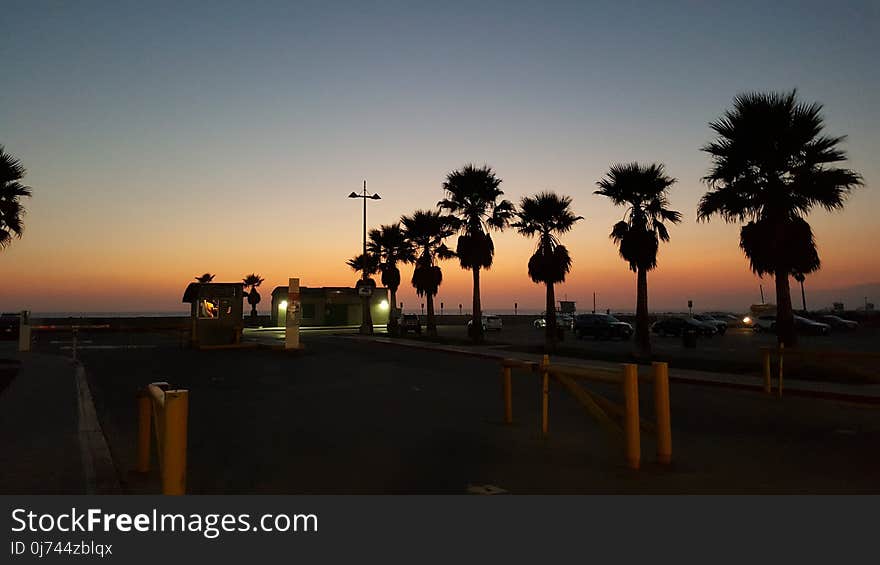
x=600, y=408
x=168, y=410
x=779, y=353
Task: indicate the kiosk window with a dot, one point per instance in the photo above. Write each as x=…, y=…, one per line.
x=209, y=308
x=308, y=311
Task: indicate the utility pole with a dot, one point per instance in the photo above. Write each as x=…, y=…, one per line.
x=594, y=303
x=762, y=292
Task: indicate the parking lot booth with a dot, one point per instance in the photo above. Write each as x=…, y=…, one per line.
x=216, y=310
x=330, y=306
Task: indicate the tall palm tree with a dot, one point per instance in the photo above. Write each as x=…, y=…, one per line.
x=426, y=231
x=547, y=216
x=253, y=280
x=472, y=199
x=206, y=278
x=389, y=244
x=643, y=190
x=771, y=165
x=11, y=193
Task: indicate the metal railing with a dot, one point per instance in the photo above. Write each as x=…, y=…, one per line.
x=168, y=410
x=606, y=412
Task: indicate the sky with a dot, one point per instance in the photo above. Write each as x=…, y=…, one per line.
x=166, y=140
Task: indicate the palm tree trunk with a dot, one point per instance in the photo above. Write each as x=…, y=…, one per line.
x=784, y=315
x=803, y=298
x=392, y=312
x=477, y=325
x=432, y=323
x=643, y=338
x=550, y=326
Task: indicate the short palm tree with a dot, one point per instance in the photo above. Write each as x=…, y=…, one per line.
x=361, y=263
x=253, y=280
x=771, y=165
x=472, y=199
x=643, y=190
x=547, y=216
x=426, y=230
x=205, y=278
x=390, y=245
x=11, y=193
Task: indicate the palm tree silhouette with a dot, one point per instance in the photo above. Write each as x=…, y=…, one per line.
x=547, y=216
x=426, y=231
x=253, y=280
x=390, y=245
x=11, y=192
x=770, y=167
x=206, y=278
x=643, y=189
x=369, y=265
x=472, y=199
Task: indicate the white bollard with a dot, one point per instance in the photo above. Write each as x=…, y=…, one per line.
x=24, y=331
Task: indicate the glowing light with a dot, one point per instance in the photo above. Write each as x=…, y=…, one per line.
x=283, y=304
x=747, y=320
x=383, y=305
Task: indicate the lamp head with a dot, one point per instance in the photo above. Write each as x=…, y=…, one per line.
x=376, y=197
x=353, y=195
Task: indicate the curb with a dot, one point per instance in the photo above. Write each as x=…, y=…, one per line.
x=789, y=391
x=98, y=467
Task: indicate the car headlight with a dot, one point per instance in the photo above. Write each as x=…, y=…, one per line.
x=747, y=320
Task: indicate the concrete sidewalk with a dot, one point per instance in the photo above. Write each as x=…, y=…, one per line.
x=795, y=387
x=48, y=436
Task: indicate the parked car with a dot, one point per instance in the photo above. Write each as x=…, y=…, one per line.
x=838, y=323
x=409, y=323
x=9, y=322
x=680, y=325
x=562, y=321
x=767, y=323
x=720, y=325
x=602, y=326
x=808, y=326
x=490, y=323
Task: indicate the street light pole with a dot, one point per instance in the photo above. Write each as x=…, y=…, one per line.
x=367, y=318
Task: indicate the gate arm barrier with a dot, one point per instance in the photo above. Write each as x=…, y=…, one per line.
x=169, y=410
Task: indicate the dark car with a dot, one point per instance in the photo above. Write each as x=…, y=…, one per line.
x=839, y=323
x=601, y=326
x=679, y=326
x=409, y=323
x=720, y=325
x=808, y=326
x=9, y=323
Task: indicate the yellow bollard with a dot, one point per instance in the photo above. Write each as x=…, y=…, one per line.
x=661, y=407
x=545, y=395
x=781, y=351
x=508, y=395
x=174, y=443
x=768, y=387
x=145, y=409
x=631, y=415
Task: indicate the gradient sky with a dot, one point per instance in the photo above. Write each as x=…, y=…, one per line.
x=163, y=141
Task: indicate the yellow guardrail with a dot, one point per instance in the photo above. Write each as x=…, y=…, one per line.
x=603, y=410
x=168, y=410
x=768, y=352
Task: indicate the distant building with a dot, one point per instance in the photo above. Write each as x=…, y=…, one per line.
x=567, y=307
x=330, y=306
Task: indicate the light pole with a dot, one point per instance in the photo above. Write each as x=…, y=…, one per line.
x=367, y=318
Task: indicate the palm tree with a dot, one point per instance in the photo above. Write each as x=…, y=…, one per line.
x=11, y=191
x=253, y=280
x=472, y=199
x=389, y=244
x=771, y=165
x=426, y=230
x=800, y=277
x=359, y=263
x=643, y=190
x=547, y=216
x=368, y=264
x=206, y=278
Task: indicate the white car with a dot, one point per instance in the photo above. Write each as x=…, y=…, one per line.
x=562, y=321
x=492, y=323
